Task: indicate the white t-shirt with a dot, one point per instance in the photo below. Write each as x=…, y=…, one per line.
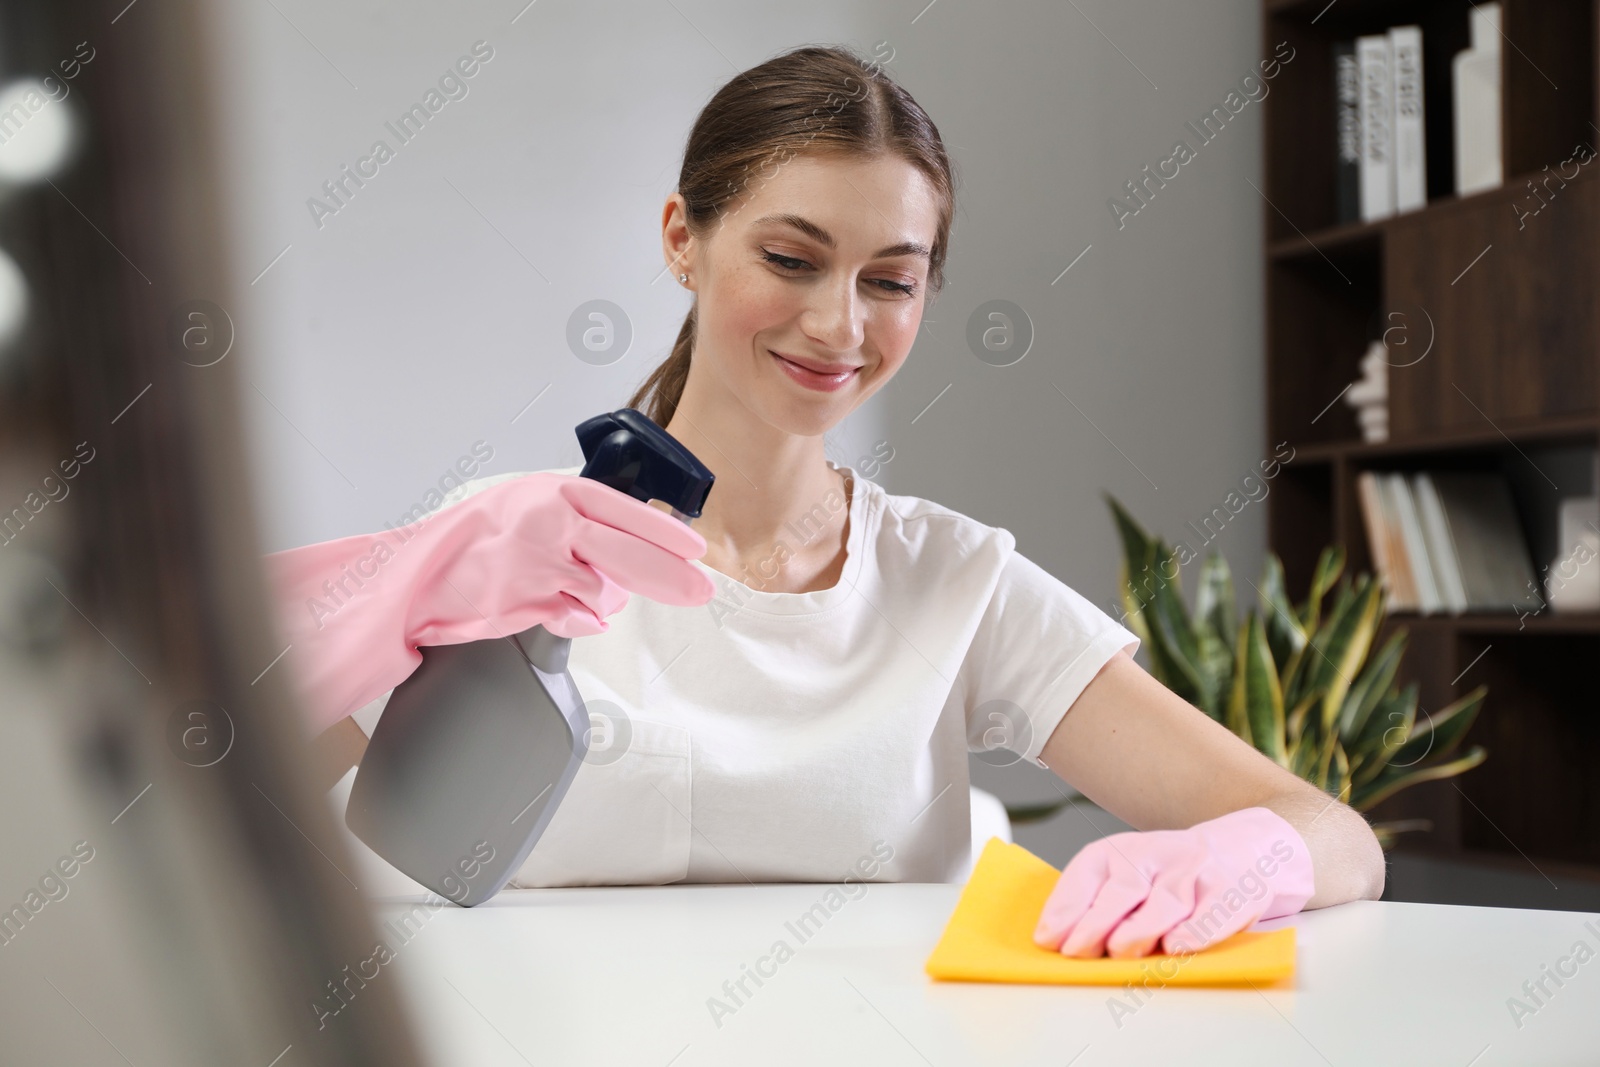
x=801, y=737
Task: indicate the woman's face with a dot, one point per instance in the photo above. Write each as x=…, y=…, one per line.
x=823, y=264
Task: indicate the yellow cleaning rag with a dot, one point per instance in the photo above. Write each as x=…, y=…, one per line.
x=990, y=938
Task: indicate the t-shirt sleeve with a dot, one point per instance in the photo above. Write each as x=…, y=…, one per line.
x=1037, y=646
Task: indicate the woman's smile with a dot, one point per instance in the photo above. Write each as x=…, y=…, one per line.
x=822, y=377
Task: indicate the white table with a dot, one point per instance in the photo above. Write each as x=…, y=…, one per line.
x=622, y=975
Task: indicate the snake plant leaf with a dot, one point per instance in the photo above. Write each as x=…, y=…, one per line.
x=1337, y=779
x=1330, y=564
x=1440, y=733
x=1375, y=792
x=1294, y=726
x=1309, y=668
x=1348, y=648
x=1166, y=665
x=1138, y=579
x=1376, y=680
x=1170, y=627
x=1138, y=549
x=1342, y=645
x=1303, y=760
x=1132, y=613
x=1391, y=710
x=1236, y=717
x=1255, y=707
x=1026, y=813
x=1284, y=633
x=1213, y=599
x=1389, y=728
x=1295, y=682
x=1216, y=669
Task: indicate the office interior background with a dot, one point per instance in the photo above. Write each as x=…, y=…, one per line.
x=1178, y=336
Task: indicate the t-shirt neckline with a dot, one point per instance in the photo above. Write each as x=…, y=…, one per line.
x=750, y=598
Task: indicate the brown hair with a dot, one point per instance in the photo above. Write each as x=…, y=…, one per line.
x=814, y=100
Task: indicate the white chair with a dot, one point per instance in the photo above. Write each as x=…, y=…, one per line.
x=989, y=819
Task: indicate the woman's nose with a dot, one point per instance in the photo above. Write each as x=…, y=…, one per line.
x=835, y=317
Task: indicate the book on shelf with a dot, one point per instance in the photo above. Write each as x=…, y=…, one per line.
x=1475, y=78
x=1347, y=127
x=1410, y=149
x=1377, y=127
x=1440, y=548
x=1446, y=541
x=1380, y=153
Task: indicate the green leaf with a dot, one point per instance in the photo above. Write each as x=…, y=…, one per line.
x=1216, y=669
x=1170, y=627
x=1388, y=729
x=1366, y=618
x=1255, y=709
x=1285, y=635
x=1026, y=813
x=1132, y=614
x=1440, y=733
x=1138, y=551
x=1373, y=793
x=1376, y=680
x=1303, y=760
x=1341, y=646
x=1329, y=565
x=1337, y=780
x=1256, y=690
x=1295, y=721
x=1213, y=599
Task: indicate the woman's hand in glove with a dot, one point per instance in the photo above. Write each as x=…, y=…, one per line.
x=545, y=548
x=1182, y=889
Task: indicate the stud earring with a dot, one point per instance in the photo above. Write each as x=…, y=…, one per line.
x=683, y=278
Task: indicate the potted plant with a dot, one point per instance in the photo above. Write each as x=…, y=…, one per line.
x=1295, y=681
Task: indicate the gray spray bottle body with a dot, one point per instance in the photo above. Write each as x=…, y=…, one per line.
x=474, y=751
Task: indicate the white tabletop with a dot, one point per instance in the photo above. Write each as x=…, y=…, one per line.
x=623, y=975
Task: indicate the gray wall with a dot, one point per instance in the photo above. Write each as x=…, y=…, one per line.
x=429, y=311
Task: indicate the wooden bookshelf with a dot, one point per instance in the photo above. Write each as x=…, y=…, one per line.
x=1511, y=383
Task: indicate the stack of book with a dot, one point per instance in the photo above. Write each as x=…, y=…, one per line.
x=1380, y=151
x=1447, y=541
x=1382, y=165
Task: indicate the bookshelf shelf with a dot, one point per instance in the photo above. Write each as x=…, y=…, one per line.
x=1509, y=623
x=1510, y=384
x=1581, y=429
x=1513, y=191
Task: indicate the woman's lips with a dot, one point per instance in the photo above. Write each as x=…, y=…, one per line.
x=811, y=379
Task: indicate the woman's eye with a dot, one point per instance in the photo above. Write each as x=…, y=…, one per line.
x=791, y=263
x=786, y=262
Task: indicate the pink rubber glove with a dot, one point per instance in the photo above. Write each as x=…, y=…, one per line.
x=1185, y=889
x=545, y=548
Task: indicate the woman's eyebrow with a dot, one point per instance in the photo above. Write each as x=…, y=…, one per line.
x=824, y=238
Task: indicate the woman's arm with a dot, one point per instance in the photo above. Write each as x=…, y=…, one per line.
x=1153, y=760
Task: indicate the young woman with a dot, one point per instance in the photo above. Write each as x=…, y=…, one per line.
x=808, y=668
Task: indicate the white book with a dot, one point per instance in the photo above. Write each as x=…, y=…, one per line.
x=1416, y=547
x=1372, y=517
x=1377, y=126
x=1410, y=149
x=1403, y=591
x=1475, y=76
x=1441, y=551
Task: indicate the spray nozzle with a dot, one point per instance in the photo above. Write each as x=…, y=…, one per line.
x=627, y=451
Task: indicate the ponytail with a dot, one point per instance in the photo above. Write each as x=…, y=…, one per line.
x=664, y=388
